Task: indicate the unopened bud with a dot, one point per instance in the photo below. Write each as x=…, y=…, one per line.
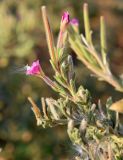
x=64, y=21
x=74, y=21
x=75, y=24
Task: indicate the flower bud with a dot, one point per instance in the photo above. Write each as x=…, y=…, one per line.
x=64, y=21
x=75, y=24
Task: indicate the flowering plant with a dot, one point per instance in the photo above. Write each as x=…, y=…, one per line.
x=96, y=133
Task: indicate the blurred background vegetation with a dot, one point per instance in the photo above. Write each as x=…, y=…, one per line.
x=22, y=40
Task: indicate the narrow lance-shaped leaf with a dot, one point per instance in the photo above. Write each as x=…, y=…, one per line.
x=44, y=108
x=103, y=39
x=36, y=111
x=49, y=35
x=52, y=109
x=86, y=23
x=73, y=87
x=71, y=74
x=64, y=70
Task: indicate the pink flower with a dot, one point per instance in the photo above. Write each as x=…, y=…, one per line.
x=34, y=69
x=74, y=21
x=65, y=20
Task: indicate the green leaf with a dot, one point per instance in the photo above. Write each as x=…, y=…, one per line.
x=86, y=23
x=60, y=80
x=53, y=65
x=103, y=40
x=72, y=85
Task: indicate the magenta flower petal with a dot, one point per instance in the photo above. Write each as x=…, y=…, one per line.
x=74, y=21
x=34, y=69
x=65, y=18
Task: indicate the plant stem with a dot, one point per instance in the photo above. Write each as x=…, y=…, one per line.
x=117, y=121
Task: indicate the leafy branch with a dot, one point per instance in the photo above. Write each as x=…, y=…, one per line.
x=96, y=133
x=86, y=52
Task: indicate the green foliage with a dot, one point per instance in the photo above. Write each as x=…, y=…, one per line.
x=89, y=126
x=22, y=40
